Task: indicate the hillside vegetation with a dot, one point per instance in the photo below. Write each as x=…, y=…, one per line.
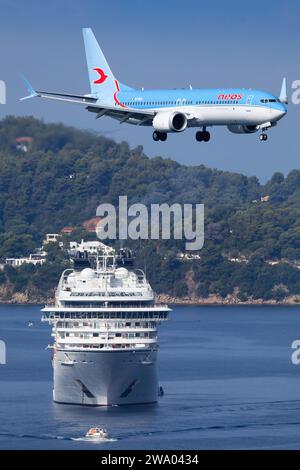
x=251, y=250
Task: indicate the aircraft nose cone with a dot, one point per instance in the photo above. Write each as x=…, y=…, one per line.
x=279, y=113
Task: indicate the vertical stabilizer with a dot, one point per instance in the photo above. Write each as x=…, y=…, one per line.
x=102, y=81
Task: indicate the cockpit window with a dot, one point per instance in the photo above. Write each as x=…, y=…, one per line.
x=269, y=100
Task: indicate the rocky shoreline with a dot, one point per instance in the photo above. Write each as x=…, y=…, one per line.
x=8, y=296
x=229, y=300
x=25, y=298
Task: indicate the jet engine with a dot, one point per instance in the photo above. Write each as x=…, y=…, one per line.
x=169, y=122
x=241, y=129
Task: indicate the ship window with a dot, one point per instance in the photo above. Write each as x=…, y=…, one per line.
x=95, y=335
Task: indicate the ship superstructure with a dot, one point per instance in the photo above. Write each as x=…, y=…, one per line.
x=104, y=323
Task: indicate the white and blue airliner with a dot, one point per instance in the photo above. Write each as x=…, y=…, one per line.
x=243, y=111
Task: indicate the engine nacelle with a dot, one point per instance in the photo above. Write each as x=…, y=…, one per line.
x=241, y=129
x=169, y=122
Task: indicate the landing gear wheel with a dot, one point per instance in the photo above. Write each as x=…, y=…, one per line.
x=159, y=136
x=206, y=136
x=202, y=136
x=263, y=137
x=199, y=136
x=156, y=136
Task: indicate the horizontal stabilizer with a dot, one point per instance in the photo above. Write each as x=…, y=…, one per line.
x=31, y=90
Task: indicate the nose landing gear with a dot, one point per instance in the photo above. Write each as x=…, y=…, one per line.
x=263, y=137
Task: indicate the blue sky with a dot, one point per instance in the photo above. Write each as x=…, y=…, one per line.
x=159, y=44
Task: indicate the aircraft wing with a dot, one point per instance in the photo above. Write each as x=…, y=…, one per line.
x=135, y=116
x=83, y=99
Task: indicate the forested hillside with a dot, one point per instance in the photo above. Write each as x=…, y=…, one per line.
x=252, y=246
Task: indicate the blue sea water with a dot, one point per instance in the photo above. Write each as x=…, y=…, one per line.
x=227, y=374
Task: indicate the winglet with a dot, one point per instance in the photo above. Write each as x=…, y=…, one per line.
x=31, y=90
x=283, y=93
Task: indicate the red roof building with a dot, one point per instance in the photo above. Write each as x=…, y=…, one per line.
x=23, y=143
x=67, y=230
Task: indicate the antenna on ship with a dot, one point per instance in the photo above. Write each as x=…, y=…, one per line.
x=97, y=261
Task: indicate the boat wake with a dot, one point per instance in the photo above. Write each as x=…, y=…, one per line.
x=93, y=441
x=58, y=438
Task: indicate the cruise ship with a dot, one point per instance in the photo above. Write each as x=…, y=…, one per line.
x=104, y=324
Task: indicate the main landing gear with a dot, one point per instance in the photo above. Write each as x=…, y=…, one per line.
x=159, y=136
x=203, y=136
x=263, y=137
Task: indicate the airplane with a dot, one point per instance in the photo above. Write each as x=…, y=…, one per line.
x=243, y=111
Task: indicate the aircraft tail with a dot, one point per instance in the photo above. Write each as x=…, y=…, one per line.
x=102, y=81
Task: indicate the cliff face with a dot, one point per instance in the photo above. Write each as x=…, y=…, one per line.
x=191, y=285
x=29, y=296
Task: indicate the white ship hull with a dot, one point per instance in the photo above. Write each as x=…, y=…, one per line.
x=105, y=377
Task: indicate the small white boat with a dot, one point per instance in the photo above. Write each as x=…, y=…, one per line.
x=97, y=433
x=30, y=324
